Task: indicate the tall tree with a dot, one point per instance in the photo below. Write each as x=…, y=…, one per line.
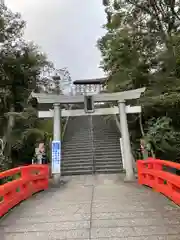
x=21, y=63
x=141, y=48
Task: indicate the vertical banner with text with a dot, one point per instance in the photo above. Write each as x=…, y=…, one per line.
x=56, y=156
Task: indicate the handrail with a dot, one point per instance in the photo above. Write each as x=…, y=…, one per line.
x=151, y=173
x=29, y=180
x=65, y=125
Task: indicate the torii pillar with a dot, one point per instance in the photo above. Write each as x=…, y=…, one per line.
x=126, y=142
x=56, y=153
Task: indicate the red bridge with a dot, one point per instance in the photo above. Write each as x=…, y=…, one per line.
x=91, y=206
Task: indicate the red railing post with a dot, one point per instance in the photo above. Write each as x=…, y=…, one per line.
x=140, y=171
x=157, y=164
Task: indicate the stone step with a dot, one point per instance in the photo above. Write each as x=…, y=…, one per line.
x=107, y=156
x=112, y=166
x=110, y=146
x=91, y=152
x=85, y=146
x=109, y=153
x=77, y=168
x=90, y=163
x=91, y=172
x=97, y=155
x=76, y=160
x=108, y=136
x=78, y=138
x=91, y=160
x=79, y=133
x=105, y=143
x=76, y=154
x=108, y=171
x=108, y=159
x=100, y=149
x=77, y=163
x=106, y=139
x=90, y=138
x=105, y=133
x=94, y=132
x=76, y=147
x=90, y=145
x=77, y=172
x=75, y=151
x=78, y=142
x=107, y=163
x=77, y=157
x=82, y=135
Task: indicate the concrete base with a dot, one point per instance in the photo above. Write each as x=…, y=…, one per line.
x=56, y=179
x=130, y=178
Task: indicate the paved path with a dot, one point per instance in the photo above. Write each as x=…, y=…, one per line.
x=98, y=207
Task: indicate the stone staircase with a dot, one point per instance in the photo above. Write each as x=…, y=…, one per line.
x=107, y=154
x=77, y=157
x=90, y=146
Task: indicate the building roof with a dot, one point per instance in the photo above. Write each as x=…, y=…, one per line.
x=90, y=81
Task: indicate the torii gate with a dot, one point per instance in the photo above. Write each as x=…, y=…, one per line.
x=55, y=101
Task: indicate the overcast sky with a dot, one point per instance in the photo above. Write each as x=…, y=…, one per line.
x=67, y=30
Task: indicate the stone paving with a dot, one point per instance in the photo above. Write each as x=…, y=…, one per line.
x=100, y=207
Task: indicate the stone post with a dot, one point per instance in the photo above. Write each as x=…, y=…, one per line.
x=126, y=143
x=56, y=153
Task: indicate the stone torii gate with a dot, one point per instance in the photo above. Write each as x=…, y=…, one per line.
x=55, y=101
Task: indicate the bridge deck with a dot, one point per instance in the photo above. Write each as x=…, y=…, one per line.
x=94, y=207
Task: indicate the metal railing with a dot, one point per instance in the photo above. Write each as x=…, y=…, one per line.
x=66, y=123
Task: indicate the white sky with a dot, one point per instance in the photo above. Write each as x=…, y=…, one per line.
x=66, y=30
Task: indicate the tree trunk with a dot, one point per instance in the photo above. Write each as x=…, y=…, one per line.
x=7, y=136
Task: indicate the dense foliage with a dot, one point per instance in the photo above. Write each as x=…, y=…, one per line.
x=21, y=67
x=141, y=48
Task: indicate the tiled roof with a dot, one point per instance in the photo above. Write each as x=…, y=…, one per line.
x=90, y=81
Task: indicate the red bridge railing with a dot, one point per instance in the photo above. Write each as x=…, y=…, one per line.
x=156, y=174
x=20, y=184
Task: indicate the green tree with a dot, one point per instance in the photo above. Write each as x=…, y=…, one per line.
x=141, y=48
x=21, y=64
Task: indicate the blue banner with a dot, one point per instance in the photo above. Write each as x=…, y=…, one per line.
x=56, y=156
